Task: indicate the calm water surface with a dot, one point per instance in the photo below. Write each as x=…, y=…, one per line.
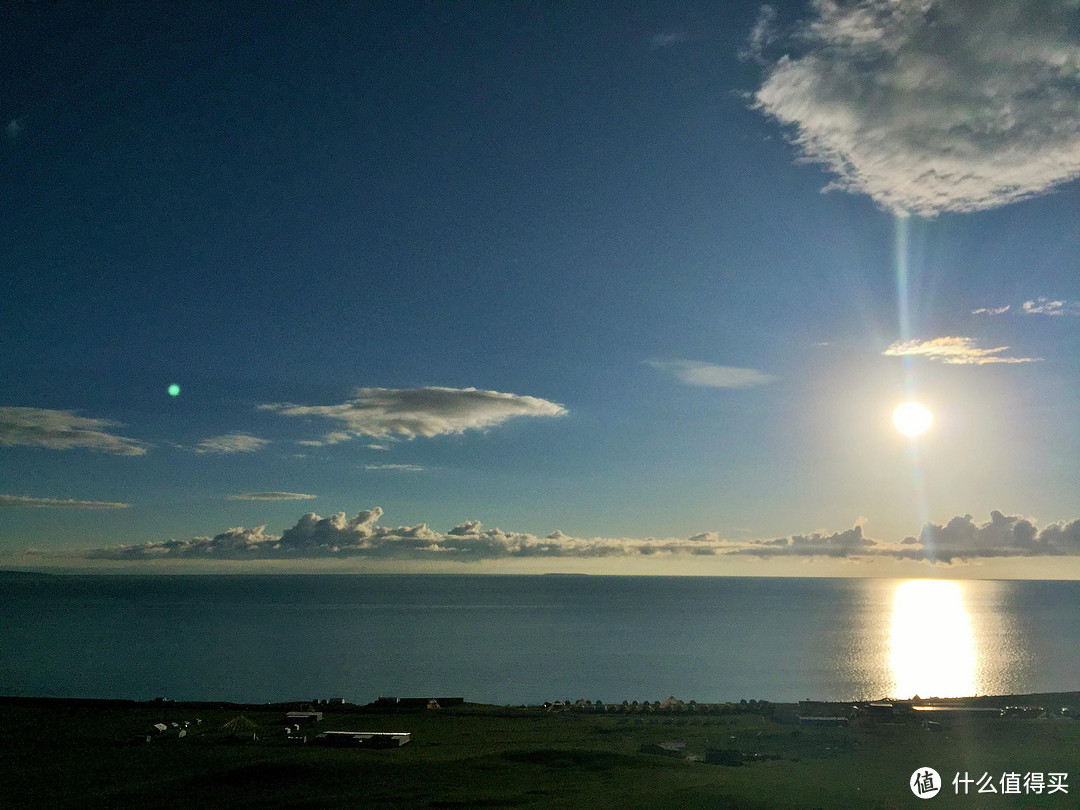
x=528, y=639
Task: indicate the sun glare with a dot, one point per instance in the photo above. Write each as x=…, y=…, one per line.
x=911, y=418
x=932, y=648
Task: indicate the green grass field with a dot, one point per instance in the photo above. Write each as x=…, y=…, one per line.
x=68, y=754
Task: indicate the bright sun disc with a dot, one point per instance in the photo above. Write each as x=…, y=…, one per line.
x=911, y=418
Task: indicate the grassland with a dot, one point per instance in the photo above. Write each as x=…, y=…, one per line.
x=93, y=754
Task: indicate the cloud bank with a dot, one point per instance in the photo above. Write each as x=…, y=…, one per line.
x=954, y=351
x=63, y=430
x=694, y=372
x=1002, y=536
x=26, y=502
x=381, y=413
x=931, y=105
x=338, y=536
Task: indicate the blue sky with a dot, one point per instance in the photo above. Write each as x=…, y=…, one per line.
x=638, y=285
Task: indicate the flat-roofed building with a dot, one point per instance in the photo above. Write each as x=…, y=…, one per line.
x=303, y=717
x=365, y=739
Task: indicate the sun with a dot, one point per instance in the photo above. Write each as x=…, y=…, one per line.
x=911, y=418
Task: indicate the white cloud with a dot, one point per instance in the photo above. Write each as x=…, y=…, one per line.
x=338, y=536
x=361, y=536
x=957, y=351
x=933, y=105
x=817, y=544
x=1040, y=306
x=231, y=443
x=1044, y=306
x=693, y=372
x=382, y=413
x=397, y=467
x=272, y=496
x=63, y=430
x=26, y=502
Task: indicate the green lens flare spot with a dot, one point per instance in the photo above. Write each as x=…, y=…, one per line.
x=174, y=390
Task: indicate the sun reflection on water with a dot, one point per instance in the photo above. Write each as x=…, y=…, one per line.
x=931, y=644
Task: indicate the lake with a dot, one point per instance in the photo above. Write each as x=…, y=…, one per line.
x=526, y=639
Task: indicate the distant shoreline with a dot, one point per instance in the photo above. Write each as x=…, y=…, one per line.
x=1046, y=699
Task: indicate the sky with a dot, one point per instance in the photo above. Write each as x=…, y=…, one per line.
x=531, y=287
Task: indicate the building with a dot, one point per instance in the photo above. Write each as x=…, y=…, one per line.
x=364, y=739
x=303, y=717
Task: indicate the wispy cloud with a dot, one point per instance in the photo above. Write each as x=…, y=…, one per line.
x=338, y=536
x=762, y=35
x=231, y=443
x=15, y=128
x=932, y=105
x=396, y=467
x=956, y=351
x=272, y=496
x=668, y=39
x=693, y=372
x=63, y=430
x=1040, y=306
x=1044, y=306
x=381, y=413
x=27, y=502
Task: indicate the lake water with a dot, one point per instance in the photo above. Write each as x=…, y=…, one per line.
x=519, y=639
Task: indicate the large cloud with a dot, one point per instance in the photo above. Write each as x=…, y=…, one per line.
x=384, y=412
x=1001, y=536
x=63, y=430
x=932, y=105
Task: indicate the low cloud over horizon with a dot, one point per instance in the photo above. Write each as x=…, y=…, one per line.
x=338, y=536
x=382, y=413
x=929, y=106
